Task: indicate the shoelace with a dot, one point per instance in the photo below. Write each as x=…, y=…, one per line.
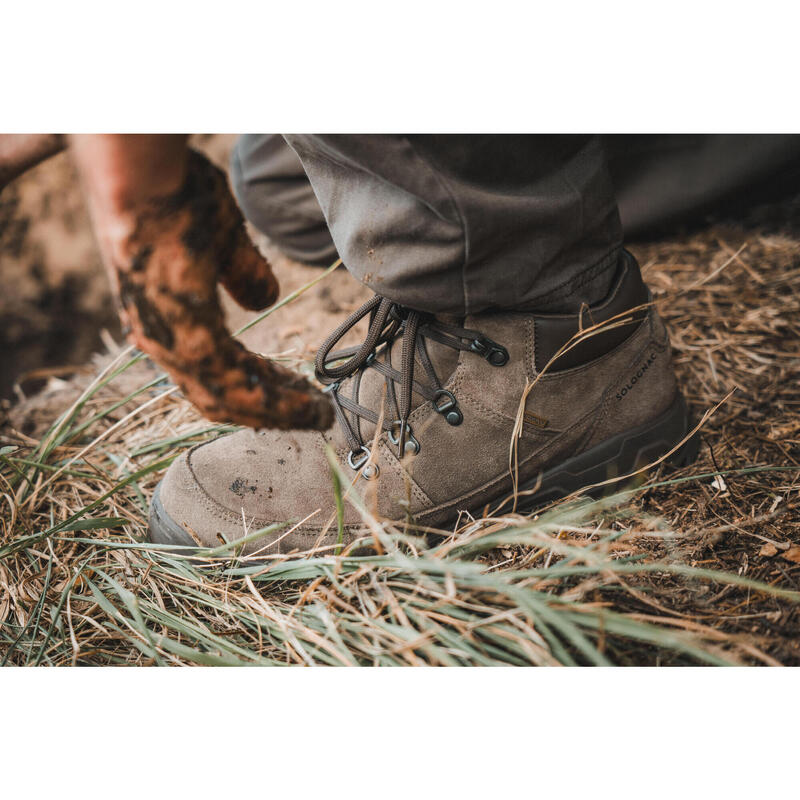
x=389, y=320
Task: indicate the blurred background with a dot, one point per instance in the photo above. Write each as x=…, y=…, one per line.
x=56, y=307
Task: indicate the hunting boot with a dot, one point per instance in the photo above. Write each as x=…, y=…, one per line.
x=488, y=414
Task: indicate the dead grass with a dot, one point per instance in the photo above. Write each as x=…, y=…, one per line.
x=699, y=566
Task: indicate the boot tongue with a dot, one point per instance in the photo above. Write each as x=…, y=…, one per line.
x=372, y=389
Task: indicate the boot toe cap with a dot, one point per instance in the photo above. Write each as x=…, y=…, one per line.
x=183, y=513
x=162, y=529
x=223, y=490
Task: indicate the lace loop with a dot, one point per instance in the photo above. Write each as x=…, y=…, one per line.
x=387, y=321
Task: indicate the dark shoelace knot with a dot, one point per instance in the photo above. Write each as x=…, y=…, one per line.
x=387, y=322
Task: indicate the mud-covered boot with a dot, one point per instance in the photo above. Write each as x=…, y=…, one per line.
x=497, y=411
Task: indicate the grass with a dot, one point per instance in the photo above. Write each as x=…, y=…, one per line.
x=116, y=600
x=672, y=572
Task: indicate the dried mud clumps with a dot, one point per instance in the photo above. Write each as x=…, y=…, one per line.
x=181, y=248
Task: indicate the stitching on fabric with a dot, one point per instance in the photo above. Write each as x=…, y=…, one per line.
x=391, y=461
x=498, y=416
x=549, y=447
x=530, y=345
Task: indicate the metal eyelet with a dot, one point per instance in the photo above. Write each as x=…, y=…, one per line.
x=454, y=417
x=412, y=444
x=369, y=471
x=448, y=408
x=494, y=353
x=450, y=401
x=363, y=460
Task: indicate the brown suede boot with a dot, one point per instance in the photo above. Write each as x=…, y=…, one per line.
x=501, y=411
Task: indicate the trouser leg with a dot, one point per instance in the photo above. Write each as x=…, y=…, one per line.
x=464, y=224
x=660, y=180
x=275, y=195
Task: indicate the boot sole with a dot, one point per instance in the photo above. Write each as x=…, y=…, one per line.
x=612, y=462
x=609, y=463
x=162, y=529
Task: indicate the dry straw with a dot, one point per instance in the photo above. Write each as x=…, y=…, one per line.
x=691, y=567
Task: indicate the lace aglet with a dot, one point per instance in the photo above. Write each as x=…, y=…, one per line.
x=401, y=438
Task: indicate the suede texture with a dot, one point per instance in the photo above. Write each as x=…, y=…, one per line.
x=254, y=479
x=570, y=410
x=259, y=478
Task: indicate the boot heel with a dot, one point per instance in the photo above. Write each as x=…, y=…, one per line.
x=622, y=455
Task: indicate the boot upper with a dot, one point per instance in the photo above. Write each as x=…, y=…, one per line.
x=558, y=392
